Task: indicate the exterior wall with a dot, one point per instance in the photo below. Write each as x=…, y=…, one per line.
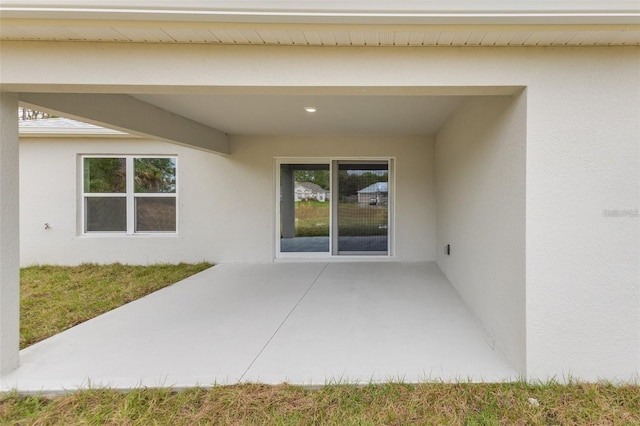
x=50, y=179
x=583, y=267
x=480, y=198
x=582, y=158
x=9, y=234
x=214, y=222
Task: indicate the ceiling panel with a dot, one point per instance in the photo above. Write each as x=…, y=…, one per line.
x=401, y=38
x=624, y=38
x=236, y=37
x=313, y=38
x=519, y=38
x=252, y=36
x=372, y=38
x=15, y=32
x=475, y=38
x=356, y=38
x=297, y=37
x=460, y=38
x=284, y=114
x=144, y=32
x=534, y=38
x=101, y=34
x=342, y=38
x=416, y=38
x=504, y=38
x=550, y=37
x=268, y=37
x=430, y=39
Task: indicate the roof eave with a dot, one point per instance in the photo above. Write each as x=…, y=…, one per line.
x=436, y=16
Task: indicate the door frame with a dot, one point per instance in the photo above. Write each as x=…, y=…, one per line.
x=332, y=254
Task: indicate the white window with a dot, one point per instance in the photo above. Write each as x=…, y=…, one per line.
x=129, y=194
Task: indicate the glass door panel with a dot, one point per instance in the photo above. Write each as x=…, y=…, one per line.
x=363, y=208
x=305, y=208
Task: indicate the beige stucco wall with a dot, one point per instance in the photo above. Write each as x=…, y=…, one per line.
x=480, y=198
x=226, y=203
x=582, y=157
x=583, y=267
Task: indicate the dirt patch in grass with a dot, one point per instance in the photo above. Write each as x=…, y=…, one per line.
x=386, y=404
x=55, y=298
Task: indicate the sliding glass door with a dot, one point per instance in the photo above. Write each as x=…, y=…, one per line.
x=334, y=207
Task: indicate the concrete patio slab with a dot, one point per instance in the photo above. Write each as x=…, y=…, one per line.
x=303, y=323
x=364, y=322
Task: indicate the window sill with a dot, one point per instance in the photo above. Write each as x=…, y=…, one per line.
x=123, y=235
x=336, y=258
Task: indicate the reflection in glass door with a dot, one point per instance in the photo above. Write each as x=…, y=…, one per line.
x=305, y=208
x=362, y=208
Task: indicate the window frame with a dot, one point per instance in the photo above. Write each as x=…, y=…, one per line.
x=333, y=253
x=130, y=195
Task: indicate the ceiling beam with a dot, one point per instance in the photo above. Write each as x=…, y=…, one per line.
x=127, y=114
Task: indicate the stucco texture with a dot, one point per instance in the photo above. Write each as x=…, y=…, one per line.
x=582, y=158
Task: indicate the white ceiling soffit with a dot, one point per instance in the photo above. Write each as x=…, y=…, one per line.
x=285, y=114
x=327, y=22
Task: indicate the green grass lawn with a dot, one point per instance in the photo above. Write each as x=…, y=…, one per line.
x=354, y=219
x=387, y=404
x=55, y=298
x=312, y=218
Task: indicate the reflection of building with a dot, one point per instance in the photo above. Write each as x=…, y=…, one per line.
x=376, y=193
x=306, y=191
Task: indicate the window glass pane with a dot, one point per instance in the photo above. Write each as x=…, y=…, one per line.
x=363, y=207
x=155, y=214
x=105, y=175
x=305, y=207
x=155, y=175
x=104, y=214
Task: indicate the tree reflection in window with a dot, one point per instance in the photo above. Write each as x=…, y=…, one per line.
x=155, y=175
x=105, y=175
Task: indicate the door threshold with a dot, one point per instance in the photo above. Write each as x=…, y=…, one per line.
x=336, y=259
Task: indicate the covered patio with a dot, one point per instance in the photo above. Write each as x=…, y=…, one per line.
x=506, y=149
x=307, y=323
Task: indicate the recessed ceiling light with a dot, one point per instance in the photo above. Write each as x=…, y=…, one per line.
x=310, y=109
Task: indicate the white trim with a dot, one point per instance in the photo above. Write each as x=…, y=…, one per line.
x=131, y=205
x=332, y=12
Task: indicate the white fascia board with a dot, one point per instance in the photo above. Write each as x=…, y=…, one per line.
x=355, y=12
